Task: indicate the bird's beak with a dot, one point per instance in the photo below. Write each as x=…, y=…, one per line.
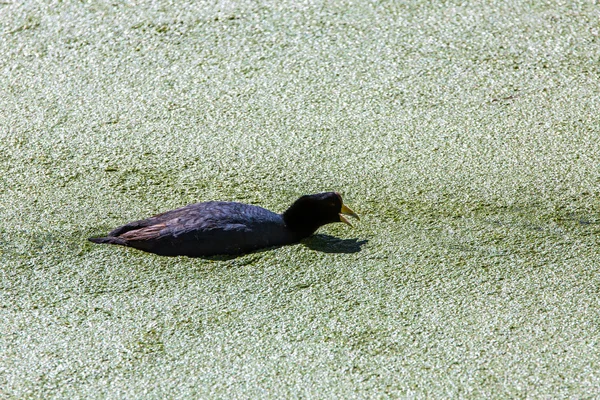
x=348, y=211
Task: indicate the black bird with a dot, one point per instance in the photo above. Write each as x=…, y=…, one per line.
x=218, y=227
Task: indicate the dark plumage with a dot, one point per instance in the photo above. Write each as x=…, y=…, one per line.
x=217, y=227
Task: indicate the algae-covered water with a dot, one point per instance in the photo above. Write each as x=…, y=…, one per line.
x=466, y=135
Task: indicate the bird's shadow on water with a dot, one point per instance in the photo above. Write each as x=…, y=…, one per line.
x=319, y=242
x=331, y=244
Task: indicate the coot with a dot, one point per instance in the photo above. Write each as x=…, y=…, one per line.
x=218, y=227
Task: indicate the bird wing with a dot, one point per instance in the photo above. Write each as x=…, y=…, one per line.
x=157, y=219
x=179, y=227
x=192, y=219
x=145, y=233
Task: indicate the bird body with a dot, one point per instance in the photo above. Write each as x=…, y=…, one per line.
x=218, y=227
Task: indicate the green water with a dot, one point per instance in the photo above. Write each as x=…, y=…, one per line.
x=465, y=135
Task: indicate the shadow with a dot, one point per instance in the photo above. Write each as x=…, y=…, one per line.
x=331, y=244
x=319, y=242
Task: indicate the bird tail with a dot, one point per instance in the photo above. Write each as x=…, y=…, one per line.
x=109, y=240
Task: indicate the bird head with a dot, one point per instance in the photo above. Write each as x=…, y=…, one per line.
x=310, y=212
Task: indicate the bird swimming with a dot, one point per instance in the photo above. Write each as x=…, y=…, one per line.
x=228, y=228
